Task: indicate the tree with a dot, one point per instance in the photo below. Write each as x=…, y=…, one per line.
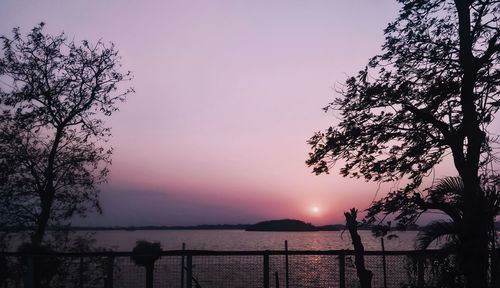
x=145, y=254
x=53, y=151
x=447, y=197
x=433, y=91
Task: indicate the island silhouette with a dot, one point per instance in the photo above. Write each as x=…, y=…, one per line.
x=291, y=225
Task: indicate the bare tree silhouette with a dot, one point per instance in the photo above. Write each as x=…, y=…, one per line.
x=53, y=97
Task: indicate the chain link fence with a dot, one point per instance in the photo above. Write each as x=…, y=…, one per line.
x=218, y=269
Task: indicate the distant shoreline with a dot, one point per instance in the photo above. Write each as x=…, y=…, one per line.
x=247, y=227
x=134, y=228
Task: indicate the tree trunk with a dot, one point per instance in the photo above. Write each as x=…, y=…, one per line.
x=474, y=239
x=364, y=275
x=495, y=268
x=47, y=195
x=43, y=219
x=466, y=155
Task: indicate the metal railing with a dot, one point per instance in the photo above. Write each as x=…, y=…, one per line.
x=200, y=268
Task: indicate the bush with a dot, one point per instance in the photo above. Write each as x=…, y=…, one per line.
x=146, y=253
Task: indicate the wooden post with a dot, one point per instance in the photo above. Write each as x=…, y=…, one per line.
x=150, y=268
x=110, y=272
x=420, y=270
x=81, y=272
x=384, y=264
x=189, y=274
x=266, y=270
x=182, y=265
x=342, y=270
x=286, y=264
x=29, y=277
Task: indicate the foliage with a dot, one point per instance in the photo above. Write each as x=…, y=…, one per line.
x=146, y=253
x=432, y=92
x=53, y=151
x=435, y=232
x=57, y=271
x=382, y=230
x=45, y=268
x=447, y=196
x=403, y=120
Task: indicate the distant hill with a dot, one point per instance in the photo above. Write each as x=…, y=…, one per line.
x=335, y=227
x=297, y=225
x=282, y=225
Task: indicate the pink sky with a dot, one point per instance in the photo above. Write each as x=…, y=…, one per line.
x=227, y=94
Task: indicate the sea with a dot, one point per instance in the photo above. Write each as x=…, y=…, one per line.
x=240, y=240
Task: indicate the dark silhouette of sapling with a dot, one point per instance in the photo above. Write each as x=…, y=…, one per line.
x=381, y=231
x=145, y=255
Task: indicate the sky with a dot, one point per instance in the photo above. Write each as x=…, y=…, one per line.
x=227, y=94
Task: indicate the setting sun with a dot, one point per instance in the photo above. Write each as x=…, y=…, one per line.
x=315, y=209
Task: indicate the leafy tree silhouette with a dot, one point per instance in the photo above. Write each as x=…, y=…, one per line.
x=432, y=92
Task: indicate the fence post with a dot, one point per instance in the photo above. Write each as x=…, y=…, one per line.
x=109, y=272
x=384, y=264
x=182, y=265
x=266, y=270
x=189, y=268
x=277, y=280
x=150, y=268
x=420, y=270
x=29, y=277
x=342, y=270
x=81, y=272
x=286, y=264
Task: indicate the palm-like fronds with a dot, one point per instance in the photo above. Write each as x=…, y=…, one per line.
x=492, y=194
x=448, y=190
x=437, y=231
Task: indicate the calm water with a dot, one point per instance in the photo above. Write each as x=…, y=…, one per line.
x=246, y=271
x=243, y=240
